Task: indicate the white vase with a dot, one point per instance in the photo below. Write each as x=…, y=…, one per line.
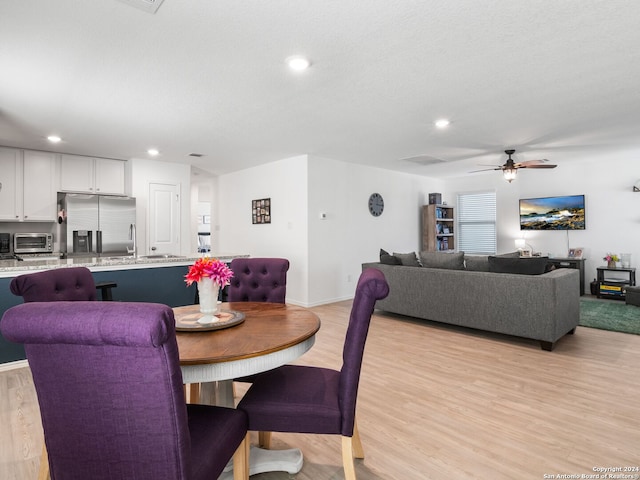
x=208, y=294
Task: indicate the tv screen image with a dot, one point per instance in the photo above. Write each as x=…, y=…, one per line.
x=552, y=213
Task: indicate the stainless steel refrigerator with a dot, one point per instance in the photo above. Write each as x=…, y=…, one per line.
x=96, y=225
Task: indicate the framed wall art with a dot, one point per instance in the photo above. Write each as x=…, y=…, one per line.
x=261, y=211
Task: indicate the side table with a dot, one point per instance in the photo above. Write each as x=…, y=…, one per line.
x=614, y=287
x=565, y=262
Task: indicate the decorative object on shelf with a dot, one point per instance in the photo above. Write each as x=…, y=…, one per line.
x=523, y=247
x=210, y=274
x=625, y=258
x=435, y=198
x=261, y=210
x=611, y=259
x=376, y=204
x=575, y=252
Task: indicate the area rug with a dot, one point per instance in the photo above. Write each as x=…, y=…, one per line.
x=612, y=315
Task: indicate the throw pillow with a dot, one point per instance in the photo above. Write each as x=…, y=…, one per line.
x=476, y=263
x=407, y=259
x=388, y=259
x=524, y=266
x=449, y=261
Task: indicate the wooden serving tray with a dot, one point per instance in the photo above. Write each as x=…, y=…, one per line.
x=189, y=321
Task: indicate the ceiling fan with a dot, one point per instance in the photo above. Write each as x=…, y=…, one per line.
x=510, y=168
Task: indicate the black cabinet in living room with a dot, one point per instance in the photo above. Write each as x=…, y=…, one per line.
x=577, y=263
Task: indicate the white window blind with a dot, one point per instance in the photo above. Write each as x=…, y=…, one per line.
x=477, y=223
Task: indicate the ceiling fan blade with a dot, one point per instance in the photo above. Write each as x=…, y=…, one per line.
x=486, y=169
x=538, y=166
x=531, y=162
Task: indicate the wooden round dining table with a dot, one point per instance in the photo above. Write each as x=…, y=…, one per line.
x=271, y=335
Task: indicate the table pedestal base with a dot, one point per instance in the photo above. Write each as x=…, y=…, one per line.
x=261, y=461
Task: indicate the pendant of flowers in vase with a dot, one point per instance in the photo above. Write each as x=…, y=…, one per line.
x=210, y=274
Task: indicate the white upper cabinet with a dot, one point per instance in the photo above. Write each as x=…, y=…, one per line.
x=91, y=175
x=27, y=190
x=10, y=209
x=39, y=192
x=109, y=176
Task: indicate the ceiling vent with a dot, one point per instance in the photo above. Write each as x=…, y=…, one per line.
x=150, y=6
x=196, y=155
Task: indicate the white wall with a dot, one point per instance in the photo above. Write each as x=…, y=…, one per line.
x=325, y=255
x=285, y=182
x=144, y=172
x=612, y=208
x=350, y=235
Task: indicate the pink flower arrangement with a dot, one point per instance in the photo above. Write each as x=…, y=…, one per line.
x=213, y=268
x=611, y=257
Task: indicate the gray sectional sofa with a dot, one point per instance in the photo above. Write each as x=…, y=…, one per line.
x=474, y=292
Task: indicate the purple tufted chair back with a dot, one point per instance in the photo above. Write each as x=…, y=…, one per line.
x=372, y=286
x=60, y=284
x=258, y=280
x=109, y=388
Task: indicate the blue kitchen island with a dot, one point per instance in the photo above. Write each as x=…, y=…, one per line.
x=156, y=280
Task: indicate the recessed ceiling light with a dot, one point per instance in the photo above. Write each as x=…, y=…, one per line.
x=54, y=138
x=442, y=123
x=298, y=63
x=153, y=152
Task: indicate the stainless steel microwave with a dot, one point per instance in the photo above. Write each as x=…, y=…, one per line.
x=32, y=243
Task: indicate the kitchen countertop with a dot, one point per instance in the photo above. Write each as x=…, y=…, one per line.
x=9, y=268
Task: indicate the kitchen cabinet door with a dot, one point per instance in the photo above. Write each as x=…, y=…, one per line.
x=10, y=179
x=91, y=175
x=39, y=192
x=109, y=176
x=76, y=174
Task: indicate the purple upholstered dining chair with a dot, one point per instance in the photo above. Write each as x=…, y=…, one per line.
x=60, y=284
x=109, y=385
x=258, y=280
x=305, y=399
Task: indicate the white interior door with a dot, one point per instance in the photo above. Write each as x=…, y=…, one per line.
x=164, y=219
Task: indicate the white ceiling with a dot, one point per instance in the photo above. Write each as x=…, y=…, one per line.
x=554, y=79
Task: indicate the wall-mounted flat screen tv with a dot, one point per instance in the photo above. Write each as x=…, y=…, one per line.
x=552, y=213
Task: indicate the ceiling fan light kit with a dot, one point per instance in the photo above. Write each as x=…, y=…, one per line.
x=509, y=174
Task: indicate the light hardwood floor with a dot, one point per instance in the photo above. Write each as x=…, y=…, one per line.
x=440, y=402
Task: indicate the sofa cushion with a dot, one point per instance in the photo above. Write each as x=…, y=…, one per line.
x=476, y=263
x=525, y=266
x=450, y=261
x=388, y=259
x=408, y=259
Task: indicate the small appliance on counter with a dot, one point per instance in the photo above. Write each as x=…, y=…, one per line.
x=33, y=246
x=5, y=247
x=5, y=243
x=32, y=243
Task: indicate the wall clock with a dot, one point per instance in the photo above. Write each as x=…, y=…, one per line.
x=376, y=204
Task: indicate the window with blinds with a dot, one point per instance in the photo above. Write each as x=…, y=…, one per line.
x=477, y=223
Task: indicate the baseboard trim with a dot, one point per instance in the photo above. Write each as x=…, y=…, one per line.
x=5, y=367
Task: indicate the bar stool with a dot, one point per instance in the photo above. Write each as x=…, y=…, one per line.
x=105, y=290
